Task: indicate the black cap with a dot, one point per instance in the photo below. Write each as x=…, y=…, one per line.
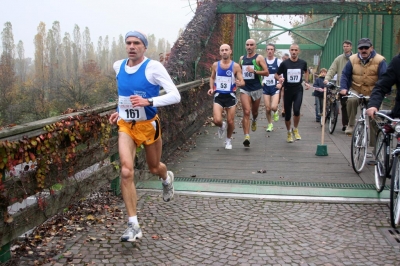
x=364, y=42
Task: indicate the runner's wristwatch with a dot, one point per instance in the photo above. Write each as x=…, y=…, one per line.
x=150, y=101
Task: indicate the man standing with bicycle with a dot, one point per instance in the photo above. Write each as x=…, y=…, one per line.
x=384, y=86
x=359, y=76
x=336, y=69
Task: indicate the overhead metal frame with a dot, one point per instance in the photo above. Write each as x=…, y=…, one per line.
x=311, y=7
x=355, y=20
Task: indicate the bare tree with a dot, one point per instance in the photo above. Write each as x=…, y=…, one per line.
x=87, y=47
x=21, y=63
x=7, y=75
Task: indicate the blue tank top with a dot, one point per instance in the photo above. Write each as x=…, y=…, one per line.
x=225, y=80
x=137, y=84
x=270, y=81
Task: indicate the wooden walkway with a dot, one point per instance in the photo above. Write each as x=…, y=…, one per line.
x=205, y=156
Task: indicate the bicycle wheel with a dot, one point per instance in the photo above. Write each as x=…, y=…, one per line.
x=333, y=116
x=380, y=157
x=394, y=193
x=359, y=146
x=393, y=145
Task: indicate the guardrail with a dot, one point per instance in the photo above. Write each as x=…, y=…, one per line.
x=70, y=180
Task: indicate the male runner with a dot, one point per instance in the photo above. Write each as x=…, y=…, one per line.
x=293, y=70
x=271, y=87
x=253, y=68
x=223, y=85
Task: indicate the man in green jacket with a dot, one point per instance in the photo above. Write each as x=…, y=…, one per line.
x=336, y=69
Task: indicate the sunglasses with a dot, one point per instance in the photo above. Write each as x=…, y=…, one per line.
x=363, y=48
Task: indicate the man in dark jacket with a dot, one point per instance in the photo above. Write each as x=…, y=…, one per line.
x=384, y=86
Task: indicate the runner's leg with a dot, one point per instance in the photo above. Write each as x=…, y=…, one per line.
x=246, y=106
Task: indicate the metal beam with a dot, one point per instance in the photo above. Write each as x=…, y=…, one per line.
x=261, y=29
x=287, y=46
x=297, y=28
x=307, y=7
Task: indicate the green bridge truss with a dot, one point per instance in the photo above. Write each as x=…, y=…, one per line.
x=377, y=20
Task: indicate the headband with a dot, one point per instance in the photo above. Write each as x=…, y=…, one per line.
x=138, y=35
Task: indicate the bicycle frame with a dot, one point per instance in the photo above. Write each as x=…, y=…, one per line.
x=391, y=129
x=359, y=140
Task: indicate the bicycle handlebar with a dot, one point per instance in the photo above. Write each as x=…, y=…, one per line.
x=331, y=85
x=359, y=96
x=385, y=114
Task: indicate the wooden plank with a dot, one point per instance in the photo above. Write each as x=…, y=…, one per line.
x=270, y=151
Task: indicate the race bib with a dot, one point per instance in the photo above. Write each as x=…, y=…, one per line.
x=129, y=113
x=293, y=75
x=246, y=74
x=223, y=83
x=270, y=80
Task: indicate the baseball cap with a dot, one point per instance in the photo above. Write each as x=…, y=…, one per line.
x=364, y=42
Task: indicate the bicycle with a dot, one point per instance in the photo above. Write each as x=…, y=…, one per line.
x=395, y=185
x=384, y=147
x=359, y=139
x=332, y=106
x=388, y=160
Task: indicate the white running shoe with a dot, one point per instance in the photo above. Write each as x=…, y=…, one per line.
x=132, y=233
x=228, y=145
x=221, y=130
x=168, y=190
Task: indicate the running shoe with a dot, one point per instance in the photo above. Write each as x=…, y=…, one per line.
x=276, y=116
x=168, y=189
x=254, y=125
x=270, y=127
x=246, y=141
x=132, y=233
x=221, y=130
x=228, y=145
x=289, y=137
x=296, y=134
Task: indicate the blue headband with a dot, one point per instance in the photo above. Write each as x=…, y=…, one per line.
x=137, y=35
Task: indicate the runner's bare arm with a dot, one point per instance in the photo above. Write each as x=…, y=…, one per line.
x=261, y=62
x=238, y=74
x=212, y=78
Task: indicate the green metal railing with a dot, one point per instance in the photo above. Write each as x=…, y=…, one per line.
x=381, y=29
